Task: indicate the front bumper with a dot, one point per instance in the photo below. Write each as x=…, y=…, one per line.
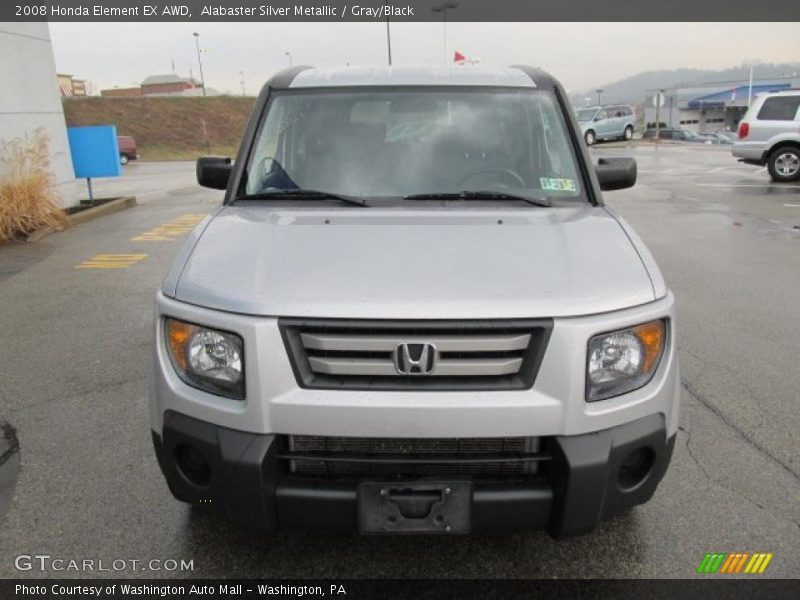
x=249, y=483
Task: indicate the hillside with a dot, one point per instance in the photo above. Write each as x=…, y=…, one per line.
x=168, y=127
x=633, y=89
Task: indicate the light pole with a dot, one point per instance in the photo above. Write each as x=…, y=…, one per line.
x=443, y=8
x=199, y=61
x=242, y=81
x=388, y=34
x=289, y=54
x=598, y=96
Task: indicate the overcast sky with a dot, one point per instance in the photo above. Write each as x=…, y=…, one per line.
x=581, y=55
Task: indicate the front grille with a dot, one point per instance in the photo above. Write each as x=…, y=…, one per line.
x=322, y=456
x=415, y=355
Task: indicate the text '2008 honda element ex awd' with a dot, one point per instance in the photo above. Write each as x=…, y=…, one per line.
x=414, y=314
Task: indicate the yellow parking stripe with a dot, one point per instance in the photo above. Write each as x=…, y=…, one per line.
x=119, y=256
x=170, y=231
x=111, y=261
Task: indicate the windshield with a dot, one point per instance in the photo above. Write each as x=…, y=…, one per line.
x=587, y=114
x=402, y=142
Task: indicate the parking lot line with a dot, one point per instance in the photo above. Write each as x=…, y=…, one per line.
x=111, y=261
x=172, y=230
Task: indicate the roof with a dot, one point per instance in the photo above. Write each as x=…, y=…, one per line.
x=742, y=91
x=169, y=78
x=480, y=75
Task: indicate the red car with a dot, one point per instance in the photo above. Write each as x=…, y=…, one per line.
x=127, y=149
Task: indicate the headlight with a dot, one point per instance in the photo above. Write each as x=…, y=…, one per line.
x=205, y=358
x=623, y=361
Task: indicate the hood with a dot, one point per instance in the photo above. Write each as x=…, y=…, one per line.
x=414, y=263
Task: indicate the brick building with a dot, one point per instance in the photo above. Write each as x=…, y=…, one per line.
x=159, y=85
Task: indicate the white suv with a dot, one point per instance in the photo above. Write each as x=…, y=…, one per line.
x=413, y=313
x=769, y=134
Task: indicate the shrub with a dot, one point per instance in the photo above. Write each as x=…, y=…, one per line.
x=28, y=199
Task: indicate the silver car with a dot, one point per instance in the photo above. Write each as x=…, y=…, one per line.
x=602, y=123
x=413, y=313
x=769, y=134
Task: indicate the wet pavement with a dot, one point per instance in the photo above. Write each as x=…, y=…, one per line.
x=76, y=355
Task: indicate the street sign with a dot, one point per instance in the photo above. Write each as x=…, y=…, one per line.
x=95, y=152
x=658, y=100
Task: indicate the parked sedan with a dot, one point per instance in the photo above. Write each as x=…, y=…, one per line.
x=676, y=134
x=709, y=138
x=724, y=137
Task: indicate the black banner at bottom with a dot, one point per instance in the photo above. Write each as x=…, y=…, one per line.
x=418, y=589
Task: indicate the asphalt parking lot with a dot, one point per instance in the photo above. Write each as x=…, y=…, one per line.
x=76, y=355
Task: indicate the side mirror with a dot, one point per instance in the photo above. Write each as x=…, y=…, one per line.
x=615, y=173
x=214, y=171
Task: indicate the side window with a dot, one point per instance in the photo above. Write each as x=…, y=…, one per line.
x=601, y=114
x=626, y=110
x=779, y=108
x=617, y=112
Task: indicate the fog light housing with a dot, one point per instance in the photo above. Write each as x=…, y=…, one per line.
x=636, y=467
x=193, y=466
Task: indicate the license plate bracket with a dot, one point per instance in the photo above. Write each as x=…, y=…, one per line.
x=418, y=507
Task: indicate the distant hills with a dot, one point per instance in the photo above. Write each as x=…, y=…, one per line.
x=632, y=89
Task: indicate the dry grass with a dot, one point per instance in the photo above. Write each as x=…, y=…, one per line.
x=28, y=199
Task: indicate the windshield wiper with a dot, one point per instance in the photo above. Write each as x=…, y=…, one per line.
x=479, y=195
x=301, y=194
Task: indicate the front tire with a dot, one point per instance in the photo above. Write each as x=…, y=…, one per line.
x=628, y=135
x=784, y=164
x=590, y=138
x=123, y=160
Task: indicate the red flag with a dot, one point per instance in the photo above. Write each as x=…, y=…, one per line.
x=458, y=57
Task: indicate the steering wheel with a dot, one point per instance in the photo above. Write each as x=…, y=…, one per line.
x=507, y=173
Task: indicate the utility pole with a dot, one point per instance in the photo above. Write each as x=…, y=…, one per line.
x=200, y=61
x=443, y=8
x=750, y=87
x=659, y=100
x=598, y=96
x=289, y=54
x=242, y=82
x=671, y=101
x=388, y=33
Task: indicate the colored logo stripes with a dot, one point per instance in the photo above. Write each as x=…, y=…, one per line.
x=734, y=562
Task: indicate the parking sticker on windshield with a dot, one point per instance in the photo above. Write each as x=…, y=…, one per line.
x=557, y=185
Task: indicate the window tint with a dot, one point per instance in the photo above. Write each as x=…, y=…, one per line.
x=779, y=108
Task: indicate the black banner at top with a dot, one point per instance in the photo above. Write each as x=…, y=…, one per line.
x=394, y=10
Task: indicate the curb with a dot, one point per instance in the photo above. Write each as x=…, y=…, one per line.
x=84, y=216
x=108, y=208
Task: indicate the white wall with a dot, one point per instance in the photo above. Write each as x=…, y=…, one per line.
x=29, y=98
